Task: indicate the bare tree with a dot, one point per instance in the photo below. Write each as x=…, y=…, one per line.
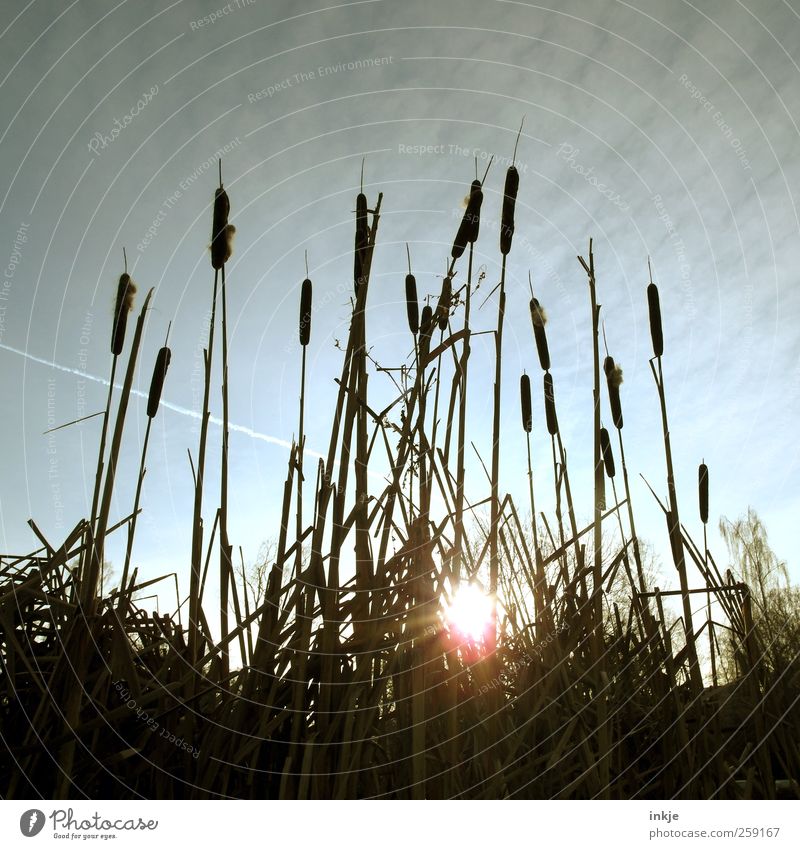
x=776, y=603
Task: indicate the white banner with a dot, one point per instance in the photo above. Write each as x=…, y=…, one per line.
x=389, y=825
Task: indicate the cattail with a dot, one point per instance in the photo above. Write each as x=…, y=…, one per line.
x=655, y=320
x=525, y=399
x=550, y=404
x=702, y=476
x=157, y=382
x=470, y=222
x=474, y=208
x=539, y=319
x=509, y=202
x=443, y=307
x=126, y=289
x=305, y=313
x=361, y=240
x=614, y=379
x=608, y=457
x=222, y=232
x=412, y=305
x=426, y=321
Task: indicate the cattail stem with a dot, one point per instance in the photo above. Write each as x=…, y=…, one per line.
x=599, y=499
x=599, y=481
x=225, y=564
x=458, y=534
x=632, y=524
x=674, y=531
x=494, y=560
x=301, y=448
x=197, y=519
x=132, y=526
x=97, y=552
x=103, y=436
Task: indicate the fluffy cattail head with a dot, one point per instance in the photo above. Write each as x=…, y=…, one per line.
x=221, y=231
x=509, y=203
x=702, y=479
x=608, y=457
x=538, y=320
x=614, y=379
x=525, y=401
x=157, y=381
x=305, y=312
x=412, y=305
x=443, y=307
x=655, y=320
x=126, y=289
x=613, y=372
x=550, y=404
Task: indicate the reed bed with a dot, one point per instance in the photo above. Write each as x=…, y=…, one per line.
x=356, y=683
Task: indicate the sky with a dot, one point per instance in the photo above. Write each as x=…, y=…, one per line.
x=659, y=129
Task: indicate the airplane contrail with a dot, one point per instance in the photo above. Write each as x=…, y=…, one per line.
x=176, y=408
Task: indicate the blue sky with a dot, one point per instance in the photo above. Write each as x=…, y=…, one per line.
x=659, y=129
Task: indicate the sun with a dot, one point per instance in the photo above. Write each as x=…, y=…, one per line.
x=469, y=613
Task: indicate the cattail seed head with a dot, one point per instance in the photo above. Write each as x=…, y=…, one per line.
x=702, y=476
x=361, y=239
x=426, y=321
x=157, y=381
x=443, y=307
x=525, y=400
x=221, y=231
x=361, y=214
x=550, y=404
x=538, y=319
x=608, y=457
x=305, y=312
x=474, y=208
x=509, y=203
x=613, y=380
x=655, y=320
x=126, y=289
x=412, y=305
x=471, y=221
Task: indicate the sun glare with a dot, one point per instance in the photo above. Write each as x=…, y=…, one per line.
x=469, y=613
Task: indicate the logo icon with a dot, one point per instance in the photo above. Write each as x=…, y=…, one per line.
x=31, y=822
